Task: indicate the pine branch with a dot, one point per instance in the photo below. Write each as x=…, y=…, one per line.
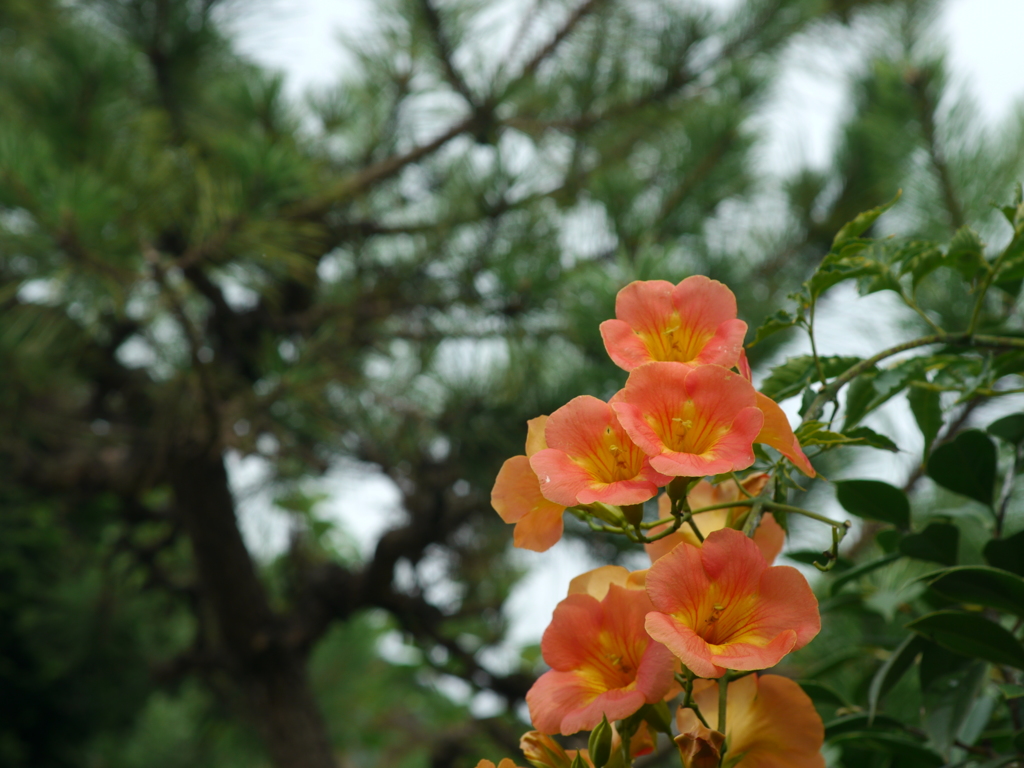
x=444, y=53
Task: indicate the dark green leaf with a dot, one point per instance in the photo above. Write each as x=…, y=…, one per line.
x=920, y=259
x=891, y=671
x=861, y=721
x=937, y=543
x=861, y=570
x=780, y=321
x=938, y=662
x=874, y=500
x=885, y=384
x=830, y=274
x=926, y=405
x=966, y=253
x=971, y=634
x=820, y=693
x=1007, y=553
x=1018, y=742
x=1007, y=363
x=1009, y=428
x=966, y=465
x=1011, y=691
x=951, y=698
x=868, y=437
x=905, y=752
x=861, y=224
x=859, y=395
x=813, y=433
x=978, y=585
x=889, y=539
x=796, y=373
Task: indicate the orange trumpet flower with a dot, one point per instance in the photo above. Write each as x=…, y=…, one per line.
x=603, y=663
x=589, y=457
x=516, y=497
x=694, y=321
x=691, y=420
x=721, y=606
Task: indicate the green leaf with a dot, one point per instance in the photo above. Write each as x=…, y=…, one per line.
x=926, y=405
x=1007, y=553
x=868, y=437
x=1009, y=428
x=861, y=223
x=861, y=721
x=874, y=500
x=937, y=543
x=950, y=700
x=1018, y=742
x=971, y=634
x=978, y=585
x=905, y=752
x=938, y=664
x=861, y=570
x=820, y=693
x=813, y=433
x=780, y=321
x=859, y=395
x=966, y=465
x=891, y=671
x=919, y=259
x=889, y=539
x=835, y=272
x=885, y=384
x=966, y=253
x=796, y=373
x=1010, y=690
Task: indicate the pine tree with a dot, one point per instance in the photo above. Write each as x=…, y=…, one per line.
x=400, y=273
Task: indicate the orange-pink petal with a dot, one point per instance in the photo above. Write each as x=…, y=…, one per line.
x=691, y=421
x=590, y=457
x=603, y=662
x=722, y=607
x=516, y=497
x=777, y=433
x=769, y=720
x=597, y=582
x=694, y=321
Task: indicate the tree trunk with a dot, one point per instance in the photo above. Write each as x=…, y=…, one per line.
x=270, y=673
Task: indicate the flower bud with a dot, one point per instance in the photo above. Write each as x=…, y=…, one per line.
x=541, y=751
x=699, y=746
x=600, y=744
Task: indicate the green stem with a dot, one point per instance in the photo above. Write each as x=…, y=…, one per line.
x=723, y=698
x=770, y=505
x=828, y=393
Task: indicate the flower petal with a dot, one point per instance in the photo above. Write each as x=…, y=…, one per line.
x=687, y=646
x=535, y=440
x=769, y=719
x=777, y=433
x=517, y=499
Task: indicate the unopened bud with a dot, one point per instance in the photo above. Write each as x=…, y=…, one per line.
x=600, y=744
x=605, y=512
x=679, y=487
x=699, y=746
x=634, y=514
x=542, y=751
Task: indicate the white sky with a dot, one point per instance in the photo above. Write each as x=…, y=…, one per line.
x=300, y=39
